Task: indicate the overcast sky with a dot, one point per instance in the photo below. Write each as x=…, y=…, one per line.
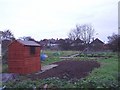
x=55, y=18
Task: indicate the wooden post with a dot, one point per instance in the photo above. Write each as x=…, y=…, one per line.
x=0, y=43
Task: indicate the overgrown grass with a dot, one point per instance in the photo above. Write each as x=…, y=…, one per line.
x=50, y=60
x=104, y=77
x=59, y=53
x=4, y=68
x=53, y=82
x=53, y=56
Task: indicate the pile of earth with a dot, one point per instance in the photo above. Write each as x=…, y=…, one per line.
x=68, y=69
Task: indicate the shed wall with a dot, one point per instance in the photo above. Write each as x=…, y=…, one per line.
x=21, y=61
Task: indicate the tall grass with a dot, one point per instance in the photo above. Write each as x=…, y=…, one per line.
x=61, y=53
x=106, y=76
x=53, y=56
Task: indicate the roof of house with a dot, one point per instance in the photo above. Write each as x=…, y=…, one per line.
x=78, y=41
x=28, y=43
x=97, y=41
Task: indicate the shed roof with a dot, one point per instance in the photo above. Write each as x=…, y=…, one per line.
x=28, y=43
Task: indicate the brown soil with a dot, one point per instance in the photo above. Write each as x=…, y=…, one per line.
x=68, y=69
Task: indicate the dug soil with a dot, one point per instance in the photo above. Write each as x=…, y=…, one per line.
x=68, y=69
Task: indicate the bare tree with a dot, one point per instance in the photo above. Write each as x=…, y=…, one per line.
x=84, y=32
x=114, y=42
x=6, y=38
x=7, y=34
x=72, y=35
x=27, y=38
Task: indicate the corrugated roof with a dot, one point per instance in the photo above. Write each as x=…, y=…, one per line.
x=28, y=43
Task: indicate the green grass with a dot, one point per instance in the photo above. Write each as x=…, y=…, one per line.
x=4, y=68
x=60, y=53
x=51, y=82
x=106, y=76
x=53, y=56
x=50, y=60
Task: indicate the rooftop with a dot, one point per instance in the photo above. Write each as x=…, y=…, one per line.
x=28, y=43
x=97, y=41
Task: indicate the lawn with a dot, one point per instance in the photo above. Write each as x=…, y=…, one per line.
x=106, y=76
x=53, y=56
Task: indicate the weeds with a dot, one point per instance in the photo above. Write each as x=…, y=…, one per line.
x=107, y=76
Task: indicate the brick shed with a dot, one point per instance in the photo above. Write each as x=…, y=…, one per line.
x=24, y=57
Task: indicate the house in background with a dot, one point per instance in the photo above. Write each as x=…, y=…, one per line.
x=77, y=44
x=24, y=57
x=97, y=45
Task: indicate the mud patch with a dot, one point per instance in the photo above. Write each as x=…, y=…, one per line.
x=68, y=69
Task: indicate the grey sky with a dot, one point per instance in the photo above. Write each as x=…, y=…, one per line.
x=55, y=18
